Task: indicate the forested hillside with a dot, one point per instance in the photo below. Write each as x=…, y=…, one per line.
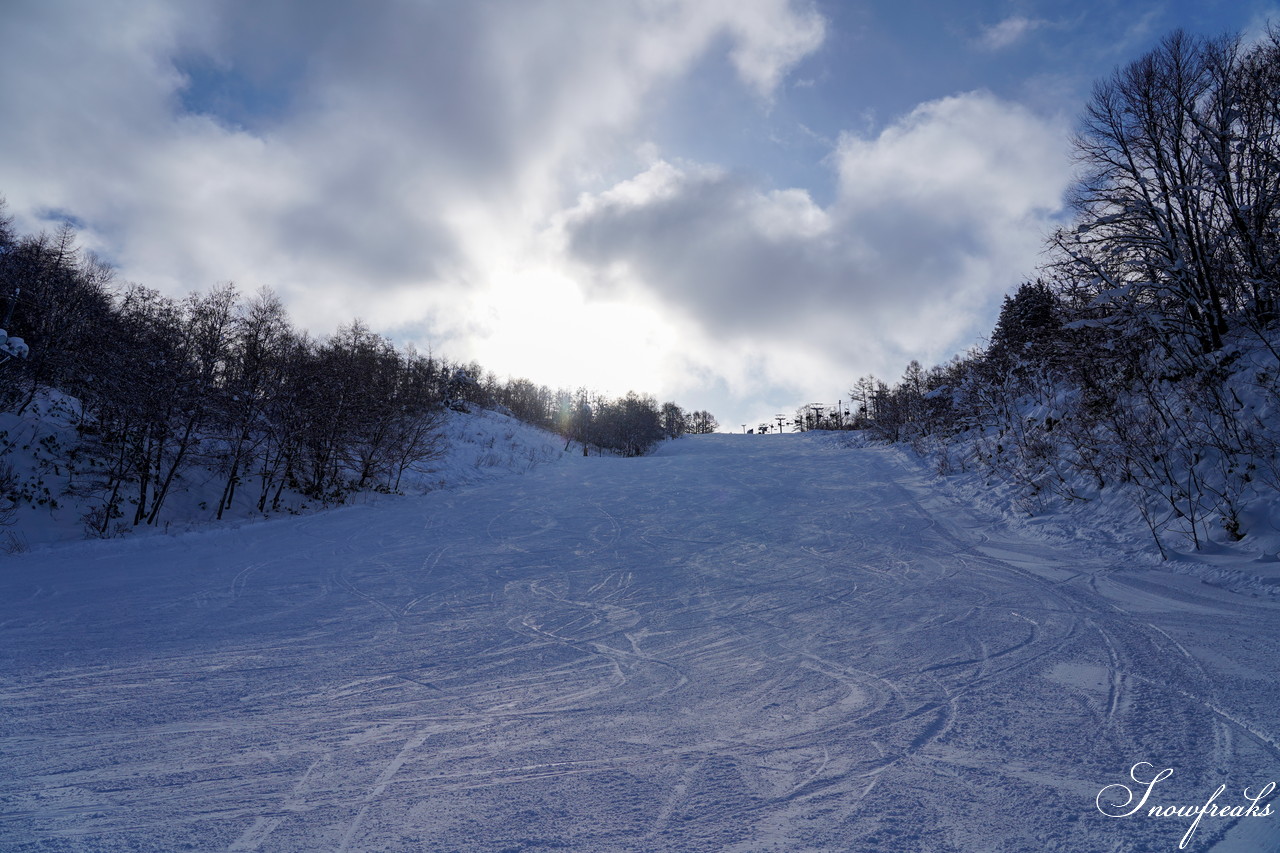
x=113, y=397
x=1145, y=357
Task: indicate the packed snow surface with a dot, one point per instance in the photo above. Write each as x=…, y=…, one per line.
x=741, y=643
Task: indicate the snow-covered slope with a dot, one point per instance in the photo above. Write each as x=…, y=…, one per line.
x=739, y=643
x=1107, y=522
x=476, y=445
x=480, y=444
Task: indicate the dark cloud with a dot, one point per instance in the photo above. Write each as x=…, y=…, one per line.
x=342, y=148
x=936, y=217
x=699, y=244
x=419, y=163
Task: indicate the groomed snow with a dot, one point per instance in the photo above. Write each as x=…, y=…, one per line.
x=742, y=643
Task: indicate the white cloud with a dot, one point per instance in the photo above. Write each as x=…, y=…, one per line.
x=391, y=149
x=1009, y=32
x=440, y=166
x=769, y=42
x=972, y=156
x=935, y=218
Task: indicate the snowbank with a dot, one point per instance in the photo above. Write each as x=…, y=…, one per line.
x=48, y=498
x=1106, y=523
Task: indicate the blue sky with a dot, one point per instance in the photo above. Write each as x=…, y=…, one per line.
x=742, y=206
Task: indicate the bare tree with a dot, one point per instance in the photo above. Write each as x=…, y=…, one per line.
x=701, y=423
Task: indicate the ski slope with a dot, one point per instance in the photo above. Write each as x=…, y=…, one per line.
x=741, y=643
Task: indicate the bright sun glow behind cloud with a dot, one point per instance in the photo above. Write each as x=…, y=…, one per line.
x=537, y=322
x=510, y=181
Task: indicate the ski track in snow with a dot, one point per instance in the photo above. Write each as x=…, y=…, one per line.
x=740, y=643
